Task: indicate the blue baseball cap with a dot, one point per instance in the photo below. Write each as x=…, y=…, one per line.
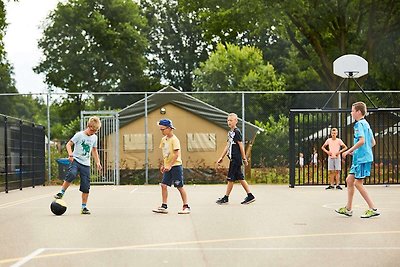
x=166, y=123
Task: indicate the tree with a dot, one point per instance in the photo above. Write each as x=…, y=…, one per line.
x=6, y=82
x=95, y=46
x=234, y=68
x=320, y=31
x=271, y=147
x=176, y=43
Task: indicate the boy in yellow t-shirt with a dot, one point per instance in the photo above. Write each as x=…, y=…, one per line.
x=171, y=168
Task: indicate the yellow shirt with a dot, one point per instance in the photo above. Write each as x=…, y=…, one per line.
x=168, y=146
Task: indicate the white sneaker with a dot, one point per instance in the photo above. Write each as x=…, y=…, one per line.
x=160, y=210
x=184, y=211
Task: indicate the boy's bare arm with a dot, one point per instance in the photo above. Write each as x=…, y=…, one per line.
x=223, y=153
x=68, y=146
x=360, y=142
x=324, y=149
x=243, y=153
x=96, y=157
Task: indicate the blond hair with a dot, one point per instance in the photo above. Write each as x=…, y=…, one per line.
x=360, y=106
x=234, y=115
x=94, y=122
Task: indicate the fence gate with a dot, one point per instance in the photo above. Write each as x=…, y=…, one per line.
x=308, y=130
x=107, y=146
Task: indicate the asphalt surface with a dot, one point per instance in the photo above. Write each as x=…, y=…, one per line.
x=283, y=227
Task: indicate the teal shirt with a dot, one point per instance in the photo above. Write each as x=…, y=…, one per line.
x=364, y=153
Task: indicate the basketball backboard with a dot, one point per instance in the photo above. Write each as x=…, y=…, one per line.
x=350, y=66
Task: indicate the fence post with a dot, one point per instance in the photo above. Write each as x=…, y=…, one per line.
x=292, y=155
x=33, y=156
x=5, y=153
x=20, y=155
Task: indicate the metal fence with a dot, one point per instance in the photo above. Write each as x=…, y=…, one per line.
x=310, y=128
x=22, y=154
x=251, y=106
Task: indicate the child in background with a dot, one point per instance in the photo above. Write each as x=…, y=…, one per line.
x=336, y=147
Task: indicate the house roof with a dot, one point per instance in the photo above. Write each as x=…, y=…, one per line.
x=187, y=102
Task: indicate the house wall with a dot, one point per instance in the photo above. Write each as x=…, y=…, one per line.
x=184, y=122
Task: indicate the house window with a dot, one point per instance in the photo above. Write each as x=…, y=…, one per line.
x=136, y=142
x=201, y=141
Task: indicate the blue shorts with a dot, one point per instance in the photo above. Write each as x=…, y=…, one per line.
x=361, y=170
x=174, y=175
x=84, y=171
x=235, y=170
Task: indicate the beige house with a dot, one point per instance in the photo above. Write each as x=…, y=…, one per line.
x=200, y=127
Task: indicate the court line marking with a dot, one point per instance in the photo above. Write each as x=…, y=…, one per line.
x=22, y=201
x=28, y=258
x=194, y=242
x=133, y=190
x=26, y=200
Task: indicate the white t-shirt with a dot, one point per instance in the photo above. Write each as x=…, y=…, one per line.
x=83, y=145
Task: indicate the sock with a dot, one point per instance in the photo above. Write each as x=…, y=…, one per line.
x=163, y=205
x=83, y=205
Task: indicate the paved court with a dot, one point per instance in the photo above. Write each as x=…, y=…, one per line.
x=284, y=227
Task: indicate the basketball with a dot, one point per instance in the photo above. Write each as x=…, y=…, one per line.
x=58, y=207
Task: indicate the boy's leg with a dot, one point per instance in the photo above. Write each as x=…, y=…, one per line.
x=70, y=176
x=164, y=193
x=332, y=178
x=65, y=185
x=229, y=188
x=182, y=191
x=85, y=197
x=84, y=186
x=359, y=184
x=350, y=180
x=245, y=185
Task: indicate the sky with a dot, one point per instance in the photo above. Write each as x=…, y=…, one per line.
x=22, y=34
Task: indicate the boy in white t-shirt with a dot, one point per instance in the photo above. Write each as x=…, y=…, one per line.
x=336, y=147
x=85, y=144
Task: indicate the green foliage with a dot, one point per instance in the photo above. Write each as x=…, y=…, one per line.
x=6, y=82
x=271, y=147
x=176, y=43
x=234, y=68
x=93, y=46
x=318, y=31
x=55, y=154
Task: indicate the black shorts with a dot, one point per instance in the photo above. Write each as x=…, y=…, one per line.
x=235, y=170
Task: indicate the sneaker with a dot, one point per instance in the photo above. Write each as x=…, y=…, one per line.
x=58, y=195
x=186, y=210
x=161, y=210
x=345, y=211
x=330, y=187
x=339, y=187
x=85, y=211
x=370, y=213
x=222, y=201
x=248, y=199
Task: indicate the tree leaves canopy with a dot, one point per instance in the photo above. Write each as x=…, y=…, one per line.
x=93, y=46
